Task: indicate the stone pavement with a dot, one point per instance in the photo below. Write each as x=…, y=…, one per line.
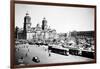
x=30, y=51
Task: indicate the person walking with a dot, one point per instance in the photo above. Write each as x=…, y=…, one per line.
x=26, y=54
x=28, y=50
x=49, y=50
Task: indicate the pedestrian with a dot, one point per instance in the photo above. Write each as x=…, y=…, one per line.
x=27, y=46
x=49, y=54
x=49, y=51
x=18, y=49
x=26, y=54
x=28, y=50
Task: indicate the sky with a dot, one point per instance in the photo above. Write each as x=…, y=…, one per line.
x=62, y=19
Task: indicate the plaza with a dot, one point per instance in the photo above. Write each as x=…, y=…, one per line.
x=42, y=53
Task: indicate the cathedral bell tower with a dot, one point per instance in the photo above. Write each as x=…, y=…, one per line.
x=44, y=23
x=27, y=25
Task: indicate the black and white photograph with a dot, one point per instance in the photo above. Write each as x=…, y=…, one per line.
x=49, y=34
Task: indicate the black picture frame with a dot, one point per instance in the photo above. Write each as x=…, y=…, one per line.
x=12, y=32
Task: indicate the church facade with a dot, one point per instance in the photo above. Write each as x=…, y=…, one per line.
x=43, y=32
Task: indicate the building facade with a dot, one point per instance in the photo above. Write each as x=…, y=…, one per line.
x=39, y=33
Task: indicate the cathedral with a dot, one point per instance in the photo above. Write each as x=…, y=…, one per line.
x=43, y=32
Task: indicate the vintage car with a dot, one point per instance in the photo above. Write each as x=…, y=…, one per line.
x=35, y=59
